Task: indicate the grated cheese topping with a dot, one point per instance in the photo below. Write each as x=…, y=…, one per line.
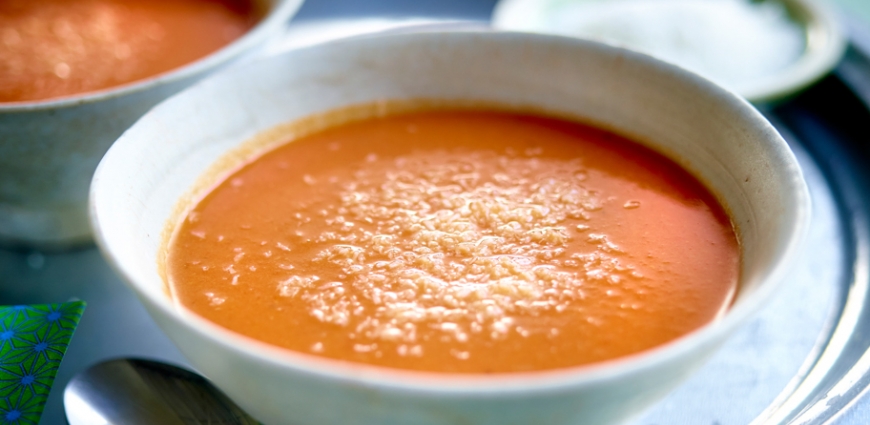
x=453, y=243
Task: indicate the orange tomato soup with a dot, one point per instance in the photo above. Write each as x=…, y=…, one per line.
x=460, y=241
x=56, y=48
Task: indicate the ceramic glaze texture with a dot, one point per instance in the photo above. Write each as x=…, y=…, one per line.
x=715, y=135
x=50, y=149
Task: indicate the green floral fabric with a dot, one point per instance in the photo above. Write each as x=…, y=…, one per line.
x=33, y=340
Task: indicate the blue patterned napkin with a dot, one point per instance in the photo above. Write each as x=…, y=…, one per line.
x=33, y=340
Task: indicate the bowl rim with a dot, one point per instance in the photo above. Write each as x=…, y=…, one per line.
x=505, y=383
x=279, y=12
x=824, y=37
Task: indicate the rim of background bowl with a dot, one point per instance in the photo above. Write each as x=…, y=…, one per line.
x=506, y=383
x=824, y=37
x=279, y=13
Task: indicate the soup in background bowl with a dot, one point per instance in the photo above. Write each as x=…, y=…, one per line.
x=76, y=73
x=176, y=153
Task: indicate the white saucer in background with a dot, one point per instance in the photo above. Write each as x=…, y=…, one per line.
x=800, y=47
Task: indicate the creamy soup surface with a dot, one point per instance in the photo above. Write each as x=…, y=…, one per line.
x=57, y=48
x=458, y=241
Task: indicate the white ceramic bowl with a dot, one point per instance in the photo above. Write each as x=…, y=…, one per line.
x=713, y=133
x=49, y=149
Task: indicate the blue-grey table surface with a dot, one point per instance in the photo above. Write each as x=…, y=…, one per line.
x=733, y=388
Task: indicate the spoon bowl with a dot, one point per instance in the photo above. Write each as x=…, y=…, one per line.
x=146, y=392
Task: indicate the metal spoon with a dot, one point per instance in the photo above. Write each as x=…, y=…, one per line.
x=145, y=392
